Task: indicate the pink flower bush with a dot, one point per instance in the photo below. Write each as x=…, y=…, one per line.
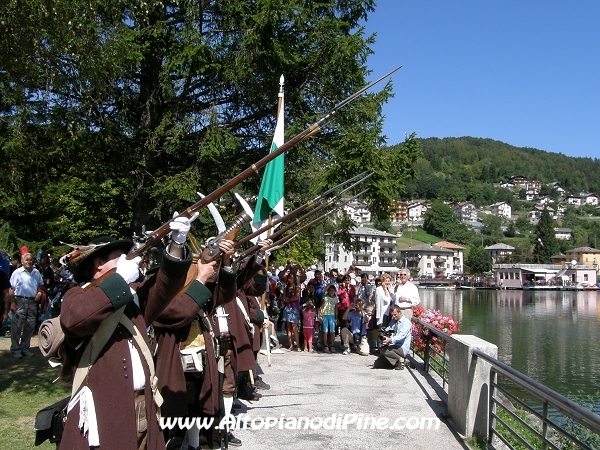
x=435, y=318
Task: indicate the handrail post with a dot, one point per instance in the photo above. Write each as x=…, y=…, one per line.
x=426, y=356
x=468, y=387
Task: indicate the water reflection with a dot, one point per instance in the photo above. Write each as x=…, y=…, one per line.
x=551, y=336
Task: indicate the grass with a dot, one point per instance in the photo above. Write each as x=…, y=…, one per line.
x=419, y=236
x=25, y=388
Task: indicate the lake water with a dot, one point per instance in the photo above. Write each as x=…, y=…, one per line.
x=550, y=336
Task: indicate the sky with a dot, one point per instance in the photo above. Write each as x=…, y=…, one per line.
x=522, y=72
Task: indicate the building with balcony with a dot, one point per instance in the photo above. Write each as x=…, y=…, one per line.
x=501, y=209
x=377, y=252
x=575, y=200
x=358, y=212
x=415, y=211
x=465, y=211
x=592, y=199
x=458, y=259
x=428, y=260
x=499, y=251
x=398, y=211
x=584, y=255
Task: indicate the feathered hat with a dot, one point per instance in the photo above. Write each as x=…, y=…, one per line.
x=82, y=257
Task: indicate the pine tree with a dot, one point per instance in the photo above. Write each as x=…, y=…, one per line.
x=545, y=245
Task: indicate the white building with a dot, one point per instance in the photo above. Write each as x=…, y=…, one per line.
x=500, y=251
x=540, y=276
x=575, y=200
x=377, y=253
x=415, y=211
x=563, y=234
x=556, y=185
x=591, y=199
x=465, y=211
x=458, y=257
x=429, y=260
x=358, y=212
x=501, y=209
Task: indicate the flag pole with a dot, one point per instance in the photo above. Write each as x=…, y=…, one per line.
x=267, y=337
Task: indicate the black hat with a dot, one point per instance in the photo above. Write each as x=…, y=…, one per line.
x=98, y=248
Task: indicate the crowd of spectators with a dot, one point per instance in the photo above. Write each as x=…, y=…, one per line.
x=338, y=312
x=32, y=288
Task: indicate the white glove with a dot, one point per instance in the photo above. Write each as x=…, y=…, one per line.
x=129, y=269
x=180, y=226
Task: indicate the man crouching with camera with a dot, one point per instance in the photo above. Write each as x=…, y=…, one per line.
x=395, y=341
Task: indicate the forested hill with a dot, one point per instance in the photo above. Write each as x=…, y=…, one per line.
x=465, y=168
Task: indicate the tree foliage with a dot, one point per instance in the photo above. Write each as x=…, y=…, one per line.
x=441, y=221
x=479, y=261
x=459, y=169
x=546, y=244
x=114, y=113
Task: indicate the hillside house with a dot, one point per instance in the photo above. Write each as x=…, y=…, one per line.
x=465, y=211
x=544, y=200
x=556, y=185
x=501, y=209
x=415, y=211
x=592, y=199
x=398, y=211
x=500, y=251
x=575, y=200
x=563, y=234
x=358, y=212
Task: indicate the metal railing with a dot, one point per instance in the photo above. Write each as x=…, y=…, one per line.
x=555, y=423
x=542, y=428
x=440, y=366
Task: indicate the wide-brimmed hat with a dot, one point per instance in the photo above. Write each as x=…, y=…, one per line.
x=97, y=248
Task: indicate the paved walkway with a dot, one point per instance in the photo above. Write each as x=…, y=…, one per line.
x=323, y=386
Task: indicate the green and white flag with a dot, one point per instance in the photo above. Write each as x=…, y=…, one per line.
x=270, y=195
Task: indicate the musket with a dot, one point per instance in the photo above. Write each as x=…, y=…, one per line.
x=283, y=240
x=304, y=207
x=164, y=229
x=298, y=221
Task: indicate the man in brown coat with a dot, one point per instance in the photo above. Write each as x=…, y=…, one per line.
x=119, y=410
x=172, y=328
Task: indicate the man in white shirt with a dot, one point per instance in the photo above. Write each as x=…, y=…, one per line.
x=407, y=294
x=24, y=283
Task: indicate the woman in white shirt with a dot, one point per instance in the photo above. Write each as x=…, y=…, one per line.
x=383, y=297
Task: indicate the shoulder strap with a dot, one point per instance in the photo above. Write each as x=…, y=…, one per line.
x=241, y=306
x=141, y=342
x=94, y=347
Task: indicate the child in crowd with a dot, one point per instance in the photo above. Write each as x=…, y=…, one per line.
x=329, y=310
x=308, y=325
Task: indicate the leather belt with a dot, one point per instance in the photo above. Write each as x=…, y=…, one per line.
x=225, y=336
x=26, y=298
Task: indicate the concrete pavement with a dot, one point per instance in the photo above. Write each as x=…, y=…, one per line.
x=328, y=389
